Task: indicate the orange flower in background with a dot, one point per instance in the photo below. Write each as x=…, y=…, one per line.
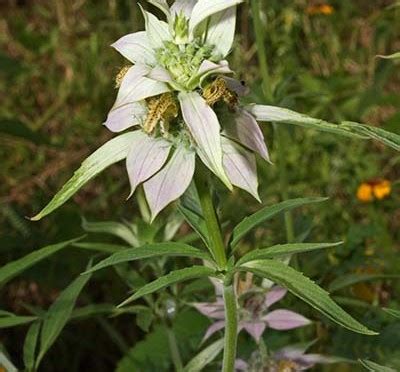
x=374, y=189
x=323, y=9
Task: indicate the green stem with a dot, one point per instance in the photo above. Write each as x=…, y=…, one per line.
x=261, y=51
x=217, y=246
x=173, y=346
x=231, y=326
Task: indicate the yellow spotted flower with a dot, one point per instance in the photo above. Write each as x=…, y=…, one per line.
x=374, y=189
x=321, y=9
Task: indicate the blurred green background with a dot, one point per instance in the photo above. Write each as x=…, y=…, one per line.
x=56, y=86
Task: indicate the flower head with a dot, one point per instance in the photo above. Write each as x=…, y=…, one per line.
x=374, y=189
x=321, y=9
x=254, y=313
x=182, y=103
x=288, y=359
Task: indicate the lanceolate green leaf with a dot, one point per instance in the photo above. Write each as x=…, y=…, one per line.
x=91, y=311
x=391, y=56
x=281, y=115
x=375, y=367
x=346, y=128
x=195, y=221
x=393, y=312
x=30, y=345
x=111, y=152
x=205, y=357
x=117, y=229
x=266, y=213
x=12, y=269
x=351, y=279
x=169, y=279
x=151, y=250
x=14, y=320
x=305, y=289
x=388, y=138
x=58, y=315
x=284, y=250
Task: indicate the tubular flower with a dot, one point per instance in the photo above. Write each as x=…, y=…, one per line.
x=180, y=101
x=288, y=359
x=254, y=314
x=374, y=189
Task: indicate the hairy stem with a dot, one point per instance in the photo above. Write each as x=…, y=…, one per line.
x=231, y=326
x=216, y=242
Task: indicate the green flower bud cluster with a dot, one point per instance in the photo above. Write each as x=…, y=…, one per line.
x=183, y=61
x=181, y=29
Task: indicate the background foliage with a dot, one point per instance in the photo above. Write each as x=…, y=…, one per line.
x=57, y=76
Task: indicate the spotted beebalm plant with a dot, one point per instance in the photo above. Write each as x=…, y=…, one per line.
x=179, y=108
x=171, y=94
x=180, y=101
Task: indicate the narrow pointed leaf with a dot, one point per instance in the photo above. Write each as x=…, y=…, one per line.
x=111, y=152
x=351, y=279
x=135, y=47
x=392, y=312
x=221, y=32
x=58, y=315
x=113, y=228
x=92, y=310
x=205, y=357
x=375, y=367
x=173, y=277
x=171, y=182
x=306, y=290
x=284, y=250
x=12, y=269
x=146, y=158
x=205, y=129
x=15, y=320
x=266, y=213
x=378, y=134
x=390, y=56
x=282, y=115
x=206, y=8
x=149, y=251
x=30, y=345
x=196, y=222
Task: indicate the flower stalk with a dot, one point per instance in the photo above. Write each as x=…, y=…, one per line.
x=217, y=248
x=231, y=319
x=216, y=242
